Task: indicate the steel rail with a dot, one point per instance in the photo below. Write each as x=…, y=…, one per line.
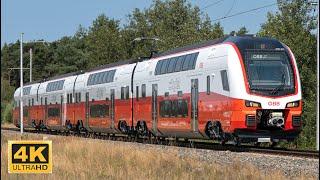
x=186, y=144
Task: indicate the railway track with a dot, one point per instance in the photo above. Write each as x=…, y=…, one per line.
x=188, y=144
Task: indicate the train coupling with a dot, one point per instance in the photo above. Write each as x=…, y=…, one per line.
x=276, y=119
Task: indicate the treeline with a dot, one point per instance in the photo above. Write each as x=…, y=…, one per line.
x=176, y=23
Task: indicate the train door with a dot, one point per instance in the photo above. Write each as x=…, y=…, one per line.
x=62, y=121
x=28, y=114
x=154, y=108
x=194, y=104
x=87, y=111
x=45, y=110
x=112, y=108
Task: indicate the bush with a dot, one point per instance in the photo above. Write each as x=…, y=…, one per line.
x=6, y=115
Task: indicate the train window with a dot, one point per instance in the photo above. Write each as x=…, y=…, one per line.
x=174, y=108
x=54, y=86
x=193, y=61
x=224, y=79
x=53, y=112
x=71, y=98
x=208, y=85
x=158, y=67
x=166, y=94
x=29, y=102
x=100, y=81
x=101, y=77
x=111, y=75
x=172, y=64
x=105, y=77
x=162, y=108
x=179, y=63
x=179, y=93
x=122, y=93
x=79, y=97
x=32, y=102
x=186, y=62
x=68, y=99
x=89, y=80
x=25, y=112
x=107, y=110
x=127, y=92
x=164, y=66
x=137, y=93
x=98, y=78
x=165, y=108
x=99, y=110
x=26, y=90
x=143, y=90
x=182, y=108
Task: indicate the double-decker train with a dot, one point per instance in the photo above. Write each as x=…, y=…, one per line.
x=240, y=88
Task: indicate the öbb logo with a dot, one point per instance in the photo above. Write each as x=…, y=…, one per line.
x=274, y=103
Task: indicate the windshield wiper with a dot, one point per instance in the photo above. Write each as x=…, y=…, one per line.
x=278, y=88
x=261, y=89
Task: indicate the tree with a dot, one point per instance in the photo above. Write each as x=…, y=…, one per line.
x=176, y=23
x=242, y=31
x=293, y=26
x=103, y=41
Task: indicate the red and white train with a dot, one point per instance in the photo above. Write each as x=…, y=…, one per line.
x=241, y=87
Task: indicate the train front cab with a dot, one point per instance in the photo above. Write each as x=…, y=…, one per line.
x=265, y=101
x=252, y=123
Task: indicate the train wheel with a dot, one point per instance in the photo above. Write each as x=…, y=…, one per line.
x=123, y=127
x=142, y=128
x=214, y=130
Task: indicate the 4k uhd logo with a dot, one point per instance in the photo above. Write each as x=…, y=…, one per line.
x=30, y=156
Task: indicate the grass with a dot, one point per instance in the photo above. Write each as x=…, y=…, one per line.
x=79, y=158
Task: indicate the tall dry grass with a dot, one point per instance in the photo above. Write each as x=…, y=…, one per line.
x=79, y=158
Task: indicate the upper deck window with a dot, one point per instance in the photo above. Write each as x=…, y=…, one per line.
x=176, y=64
x=55, y=86
x=101, y=77
x=26, y=90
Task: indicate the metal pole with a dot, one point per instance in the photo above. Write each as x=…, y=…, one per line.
x=21, y=84
x=317, y=80
x=30, y=64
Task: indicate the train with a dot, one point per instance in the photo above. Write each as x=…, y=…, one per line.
x=234, y=88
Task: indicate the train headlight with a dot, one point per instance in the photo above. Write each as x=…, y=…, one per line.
x=292, y=104
x=252, y=104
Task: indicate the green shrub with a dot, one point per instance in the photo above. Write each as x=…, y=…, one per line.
x=6, y=115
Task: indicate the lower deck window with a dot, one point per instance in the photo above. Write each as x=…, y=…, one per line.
x=25, y=112
x=174, y=108
x=53, y=112
x=99, y=110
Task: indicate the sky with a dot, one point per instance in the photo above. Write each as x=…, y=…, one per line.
x=52, y=19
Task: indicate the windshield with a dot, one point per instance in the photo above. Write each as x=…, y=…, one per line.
x=269, y=72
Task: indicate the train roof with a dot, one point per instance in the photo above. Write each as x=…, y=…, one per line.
x=252, y=42
x=243, y=42
x=192, y=46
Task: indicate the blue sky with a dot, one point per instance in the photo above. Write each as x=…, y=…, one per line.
x=52, y=19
